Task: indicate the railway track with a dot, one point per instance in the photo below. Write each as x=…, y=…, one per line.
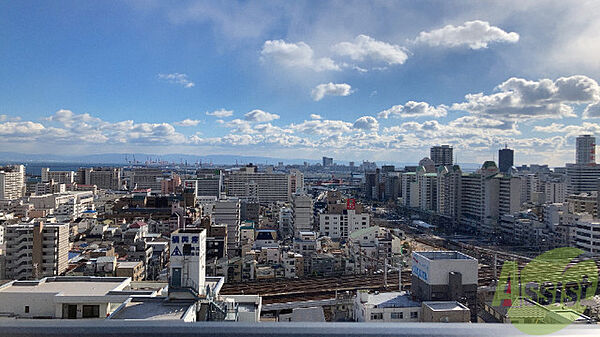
x=314, y=288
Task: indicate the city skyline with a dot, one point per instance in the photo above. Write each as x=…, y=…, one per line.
x=296, y=80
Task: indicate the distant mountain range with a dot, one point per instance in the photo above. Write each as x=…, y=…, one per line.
x=124, y=158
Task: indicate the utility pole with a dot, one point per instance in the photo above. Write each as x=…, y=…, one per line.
x=385, y=271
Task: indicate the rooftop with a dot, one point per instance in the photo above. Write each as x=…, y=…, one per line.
x=68, y=285
x=153, y=308
x=444, y=255
x=394, y=299
x=444, y=305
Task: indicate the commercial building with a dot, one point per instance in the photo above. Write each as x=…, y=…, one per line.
x=585, y=150
x=187, y=261
x=506, y=159
x=327, y=161
x=441, y=155
x=36, y=250
x=445, y=276
x=12, y=182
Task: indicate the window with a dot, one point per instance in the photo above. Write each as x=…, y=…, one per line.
x=91, y=311
x=376, y=315
x=26, y=309
x=397, y=315
x=414, y=314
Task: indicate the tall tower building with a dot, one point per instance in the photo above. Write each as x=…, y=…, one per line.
x=441, y=155
x=327, y=161
x=585, y=150
x=506, y=159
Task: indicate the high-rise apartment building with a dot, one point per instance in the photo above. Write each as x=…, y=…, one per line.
x=266, y=186
x=36, y=250
x=441, y=155
x=584, y=174
x=585, y=150
x=59, y=177
x=227, y=212
x=143, y=178
x=12, y=182
x=108, y=178
x=327, y=161
x=302, y=209
x=582, y=178
x=506, y=159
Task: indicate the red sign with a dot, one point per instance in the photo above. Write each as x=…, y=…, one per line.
x=350, y=204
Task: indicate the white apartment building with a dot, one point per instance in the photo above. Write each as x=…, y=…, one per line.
x=302, y=209
x=59, y=177
x=49, y=187
x=587, y=236
x=36, y=250
x=410, y=190
x=12, y=182
x=267, y=187
x=449, y=179
x=555, y=191
x=67, y=205
x=227, y=212
x=286, y=221
x=340, y=225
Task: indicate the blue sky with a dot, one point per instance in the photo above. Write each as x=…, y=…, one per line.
x=355, y=80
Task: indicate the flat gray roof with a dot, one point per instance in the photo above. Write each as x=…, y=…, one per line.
x=392, y=299
x=157, y=308
x=67, y=286
x=445, y=305
x=435, y=255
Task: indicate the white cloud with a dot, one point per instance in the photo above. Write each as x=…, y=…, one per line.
x=188, y=122
x=315, y=116
x=330, y=89
x=367, y=123
x=365, y=47
x=414, y=109
x=519, y=99
x=295, y=55
x=322, y=127
x=177, y=78
x=220, y=113
x=474, y=34
x=570, y=130
x=592, y=111
x=89, y=129
x=20, y=129
x=260, y=116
